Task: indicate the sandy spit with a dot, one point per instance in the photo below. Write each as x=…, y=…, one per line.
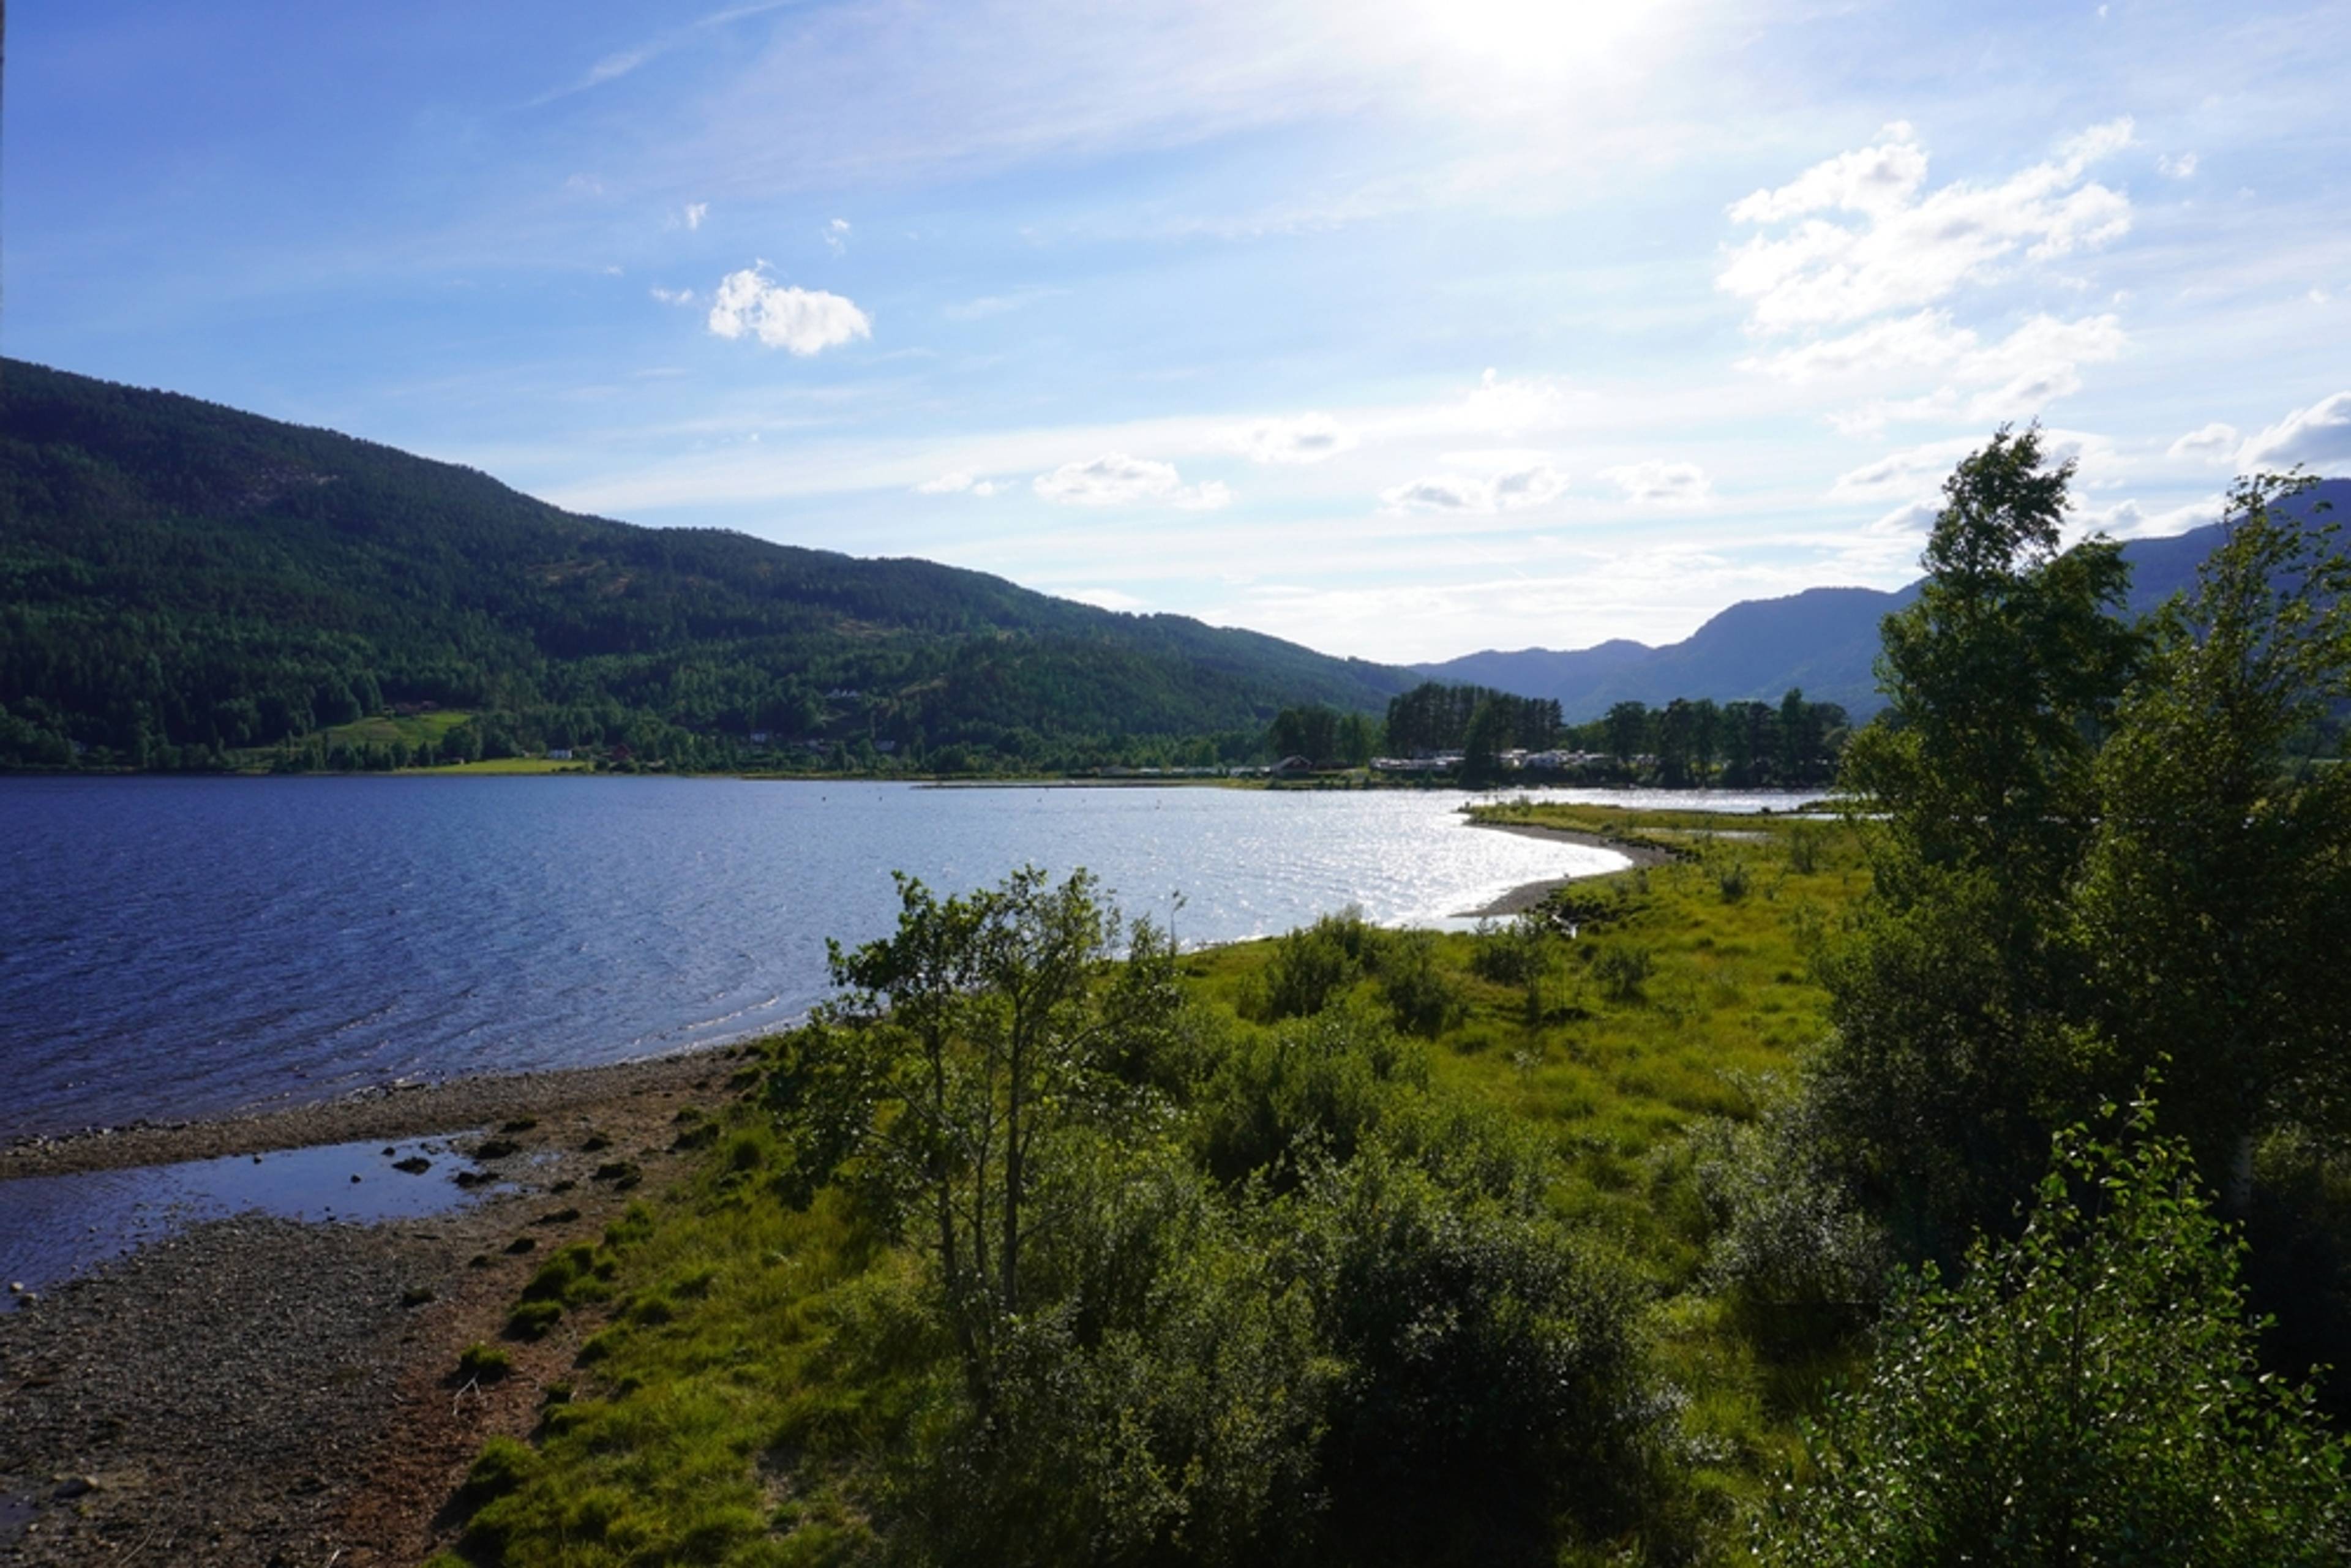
x=1520, y=899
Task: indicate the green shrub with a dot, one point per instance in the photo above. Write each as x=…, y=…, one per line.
x=1320, y=1083
x=1492, y=1386
x=1314, y=963
x=2088, y=1393
x=1518, y=954
x=1799, y=1263
x=1803, y=843
x=1622, y=970
x=1422, y=998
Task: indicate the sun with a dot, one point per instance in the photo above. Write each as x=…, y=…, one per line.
x=1533, y=36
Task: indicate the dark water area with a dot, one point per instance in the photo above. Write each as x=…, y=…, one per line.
x=182, y=947
x=55, y=1227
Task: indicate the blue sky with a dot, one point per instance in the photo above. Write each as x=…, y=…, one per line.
x=1400, y=327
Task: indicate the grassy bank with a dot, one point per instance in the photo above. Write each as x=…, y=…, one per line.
x=746, y=1370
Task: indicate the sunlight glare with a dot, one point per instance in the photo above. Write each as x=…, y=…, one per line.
x=1532, y=36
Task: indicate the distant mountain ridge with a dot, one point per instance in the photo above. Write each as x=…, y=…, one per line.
x=1824, y=640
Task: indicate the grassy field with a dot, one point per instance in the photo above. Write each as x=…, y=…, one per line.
x=504, y=765
x=384, y=728
x=730, y=1405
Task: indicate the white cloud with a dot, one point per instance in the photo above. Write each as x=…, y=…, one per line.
x=957, y=482
x=2215, y=443
x=1904, y=474
x=836, y=235
x=1441, y=493
x=1115, y=479
x=1526, y=484
x=1309, y=438
x=1508, y=407
x=584, y=185
x=2183, y=167
x=1655, y=483
x=2016, y=378
x=2318, y=436
x=1917, y=472
x=2026, y=394
x=695, y=212
x=801, y=321
x=1909, y=250
x=1877, y=180
x=620, y=63
x=1911, y=520
x=988, y=305
x=1926, y=341
x=2129, y=520
x=672, y=296
x=1211, y=495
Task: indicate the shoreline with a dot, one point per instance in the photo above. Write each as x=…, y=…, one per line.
x=1531, y=895
x=259, y=1389
x=449, y=1106
x=457, y=1104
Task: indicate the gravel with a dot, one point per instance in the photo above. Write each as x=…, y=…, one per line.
x=261, y=1391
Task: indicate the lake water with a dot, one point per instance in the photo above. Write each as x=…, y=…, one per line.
x=179, y=948
x=54, y=1228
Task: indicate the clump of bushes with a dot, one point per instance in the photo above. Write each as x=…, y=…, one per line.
x=1790, y=1253
x=1622, y=970
x=1519, y=953
x=1422, y=998
x=1803, y=843
x=2088, y=1392
x=1313, y=963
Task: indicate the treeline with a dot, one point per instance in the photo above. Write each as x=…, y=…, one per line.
x=1434, y=717
x=1686, y=743
x=1739, y=745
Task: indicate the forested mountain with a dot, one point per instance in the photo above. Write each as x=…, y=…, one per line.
x=1823, y=640
x=178, y=579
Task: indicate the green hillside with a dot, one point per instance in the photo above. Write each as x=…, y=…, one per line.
x=181, y=583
